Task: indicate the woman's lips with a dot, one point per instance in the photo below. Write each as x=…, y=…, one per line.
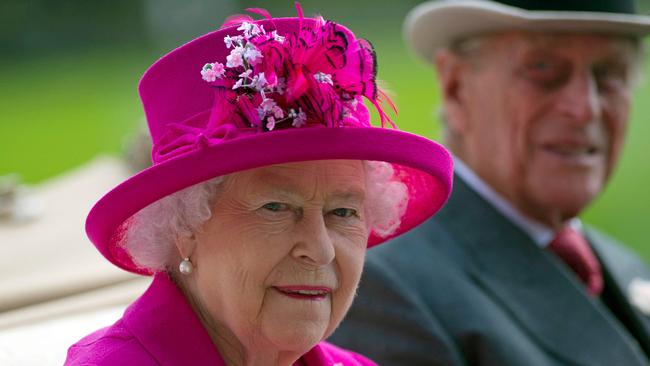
x=304, y=292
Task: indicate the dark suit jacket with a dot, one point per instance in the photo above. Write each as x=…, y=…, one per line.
x=469, y=288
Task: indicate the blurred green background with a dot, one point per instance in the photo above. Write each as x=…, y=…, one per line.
x=69, y=71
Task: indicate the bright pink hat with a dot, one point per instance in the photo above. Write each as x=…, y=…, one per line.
x=260, y=93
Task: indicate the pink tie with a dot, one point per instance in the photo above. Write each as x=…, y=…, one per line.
x=570, y=246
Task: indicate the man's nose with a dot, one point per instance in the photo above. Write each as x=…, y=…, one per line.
x=313, y=243
x=581, y=99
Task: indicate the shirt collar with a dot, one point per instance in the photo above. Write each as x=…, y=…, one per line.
x=541, y=234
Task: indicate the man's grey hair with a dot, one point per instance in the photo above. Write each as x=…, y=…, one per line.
x=471, y=48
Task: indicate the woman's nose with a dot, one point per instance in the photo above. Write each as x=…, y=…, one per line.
x=313, y=243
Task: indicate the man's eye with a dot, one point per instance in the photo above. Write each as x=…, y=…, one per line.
x=546, y=73
x=275, y=206
x=541, y=69
x=607, y=74
x=344, y=212
x=540, y=66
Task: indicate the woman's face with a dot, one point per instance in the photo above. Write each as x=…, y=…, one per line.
x=278, y=263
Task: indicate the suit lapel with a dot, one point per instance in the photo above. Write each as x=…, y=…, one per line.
x=620, y=268
x=537, y=290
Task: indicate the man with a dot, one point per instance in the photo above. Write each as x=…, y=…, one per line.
x=536, y=96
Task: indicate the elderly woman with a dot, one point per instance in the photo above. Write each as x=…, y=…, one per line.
x=268, y=185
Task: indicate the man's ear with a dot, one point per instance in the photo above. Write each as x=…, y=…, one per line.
x=451, y=71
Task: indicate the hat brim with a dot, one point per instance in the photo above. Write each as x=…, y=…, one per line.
x=435, y=24
x=423, y=165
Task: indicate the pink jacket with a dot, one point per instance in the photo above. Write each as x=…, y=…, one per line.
x=160, y=328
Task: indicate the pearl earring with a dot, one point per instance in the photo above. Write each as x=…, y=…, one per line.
x=185, y=267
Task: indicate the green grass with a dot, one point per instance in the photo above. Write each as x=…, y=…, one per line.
x=61, y=111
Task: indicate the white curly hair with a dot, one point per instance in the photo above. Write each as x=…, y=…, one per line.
x=152, y=232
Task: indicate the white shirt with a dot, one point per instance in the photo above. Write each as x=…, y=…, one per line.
x=541, y=234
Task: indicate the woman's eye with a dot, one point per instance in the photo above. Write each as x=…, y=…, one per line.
x=344, y=212
x=275, y=206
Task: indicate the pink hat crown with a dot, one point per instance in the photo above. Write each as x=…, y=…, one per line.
x=259, y=77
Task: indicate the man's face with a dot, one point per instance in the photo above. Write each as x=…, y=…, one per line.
x=542, y=118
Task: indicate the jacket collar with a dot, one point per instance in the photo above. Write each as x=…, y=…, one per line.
x=166, y=326
x=538, y=232
x=620, y=269
x=535, y=287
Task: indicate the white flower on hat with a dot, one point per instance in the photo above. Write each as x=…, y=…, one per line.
x=233, y=41
x=299, y=118
x=322, y=77
x=252, y=55
x=250, y=29
x=238, y=84
x=259, y=81
x=277, y=37
x=281, y=86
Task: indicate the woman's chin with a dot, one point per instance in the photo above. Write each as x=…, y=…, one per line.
x=298, y=336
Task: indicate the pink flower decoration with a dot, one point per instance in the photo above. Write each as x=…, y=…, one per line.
x=299, y=119
x=267, y=105
x=280, y=86
x=212, y=71
x=218, y=68
x=278, y=112
x=270, y=123
x=235, y=59
x=318, y=73
x=208, y=75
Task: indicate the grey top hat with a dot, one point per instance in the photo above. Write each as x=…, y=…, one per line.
x=436, y=24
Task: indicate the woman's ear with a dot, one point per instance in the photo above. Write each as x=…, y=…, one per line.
x=185, y=245
x=450, y=69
